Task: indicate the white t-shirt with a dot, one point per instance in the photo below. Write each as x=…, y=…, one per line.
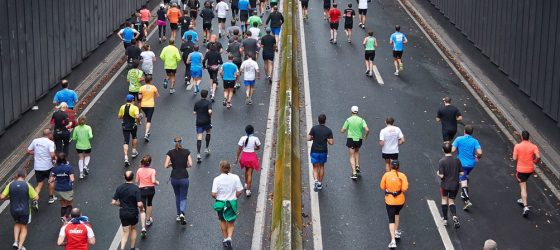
x=251, y=144
x=249, y=68
x=222, y=9
x=147, y=58
x=226, y=186
x=390, y=135
x=42, y=149
x=362, y=4
x=255, y=33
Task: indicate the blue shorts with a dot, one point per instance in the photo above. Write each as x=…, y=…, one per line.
x=201, y=129
x=249, y=83
x=275, y=31
x=318, y=158
x=466, y=171
x=196, y=73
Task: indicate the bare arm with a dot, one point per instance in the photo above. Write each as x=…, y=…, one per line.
x=115, y=203
x=189, y=161
x=401, y=140
x=239, y=150
x=214, y=195
x=60, y=241
x=167, y=162
x=309, y=138
x=330, y=141
x=91, y=240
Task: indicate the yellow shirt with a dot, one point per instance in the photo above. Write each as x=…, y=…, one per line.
x=148, y=93
x=133, y=111
x=394, y=181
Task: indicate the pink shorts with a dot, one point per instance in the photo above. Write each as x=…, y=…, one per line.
x=249, y=160
x=161, y=23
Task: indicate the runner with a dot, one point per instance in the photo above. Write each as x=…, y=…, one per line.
x=161, y=22
x=398, y=40
x=128, y=34
x=148, y=93
x=187, y=47
x=232, y=30
x=268, y=43
x=249, y=46
x=390, y=138
x=334, y=17
x=77, y=233
x=244, y=13
x=61, y=125
x=247, y=156
x=234, y=11
x=19, y=192
x=130, y=115
x=262, y=5
x=171, y=58
x=255, y=31
x=207, y=15
x=449, y=116
x=185, y=22
x=43, y=151
x=173, y=15
x=276, y=20
x=195, y=60
x=469, y=152
x=235, y=49
x=82, y=135
x=362, y=11
x=394, y=184
x=146, y=180
x=214, y=44
x=139, y=26
x=253, y=4
x=255, y=18
x=322, y=136
x=62, y=177
x=133, y=52
x=191, y=32
x=203, y=112
x=226, y=188
x=527, y=155
x=128, y=198
x=326, y=8
x=250, y=70
x=65, y=95
x=145, y=16
x=449, y=172
x=349, y=15
x=370, y=43
x=357, y=132
x=229, y=73
x=221, y=9
x=148, y=60
x=134, y=77
x=212, y=62
x=179, y=159
x=305, y=7
x=194, y=5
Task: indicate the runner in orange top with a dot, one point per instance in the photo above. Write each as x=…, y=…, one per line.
x=173, y=15
x=147, y=95
x=145, y=16
x=527, y=155
x=394, y=184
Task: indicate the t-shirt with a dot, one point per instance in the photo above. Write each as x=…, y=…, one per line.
x=349, y=16
x=179, y=161
x=226, y=187
x=161, y=14
x=276, y=19
x=20, y=192
x=229, y=69
x=234, y=49
x=148, y=93
x=134, y=76
x=128, y=195
x=133, y=52
x=268, y=41
x=320, y=134
x=202, y=108
x=448, y=116
x=250, y=45
x=196, y=60
x=398, y=41
x=170, y=56
x=254, y=19
x=62, y=174
x=42, y=148
x=147, y=59
x=144, y=176
x=466, y=146
x=128, y=34
x=354, y=126
x=82, y=135
x=390, y=136
x=362, y=4
x=222, y=8
x=450, y=167
x=192, y=33
x=76, y=235
x=145, y=15
x=185, y=22
x=215, y=46
x=207, y=15
x=186, y=49
x=525, y=152
x=252, y=143
x=334, y=15
x=66, y=95
x=244, y=5
x=60, y=120
x=173, y=15
x=249, y=68
x=255, y=32
x=212, y=60
x=394, y=181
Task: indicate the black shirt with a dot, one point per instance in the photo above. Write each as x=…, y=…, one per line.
x=60, y=120
x=321, y=134
x=179, y=161
x=349, y=15
x=193, y=4
x=212, y=58
x=233, y=49
x=276, y=19
x=450, y=167
x=250, y=45
x=187, y=48
x=201, y=108
x=268, y=41
x=128, y=195
x=207, y=14
x=133, y=52
x=253, y=4
x=19, y=197
x=448, y=116
x=235, y=4
x=215, y=46
x=161, y=14
x=185, y=21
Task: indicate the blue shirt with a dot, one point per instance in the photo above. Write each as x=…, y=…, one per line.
x=128, y=34
x=66, y=95
x=398, y=41
x=229, y=69
x=196, y=60
x=192, y=33
x=62, y=177
x=466, y=146
x=244, y=5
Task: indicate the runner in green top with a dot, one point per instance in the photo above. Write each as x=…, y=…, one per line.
x=357, y=130
x=370, y=43
x=135, y=77
x=170, y=56
x=254, y=19
x=83, y=134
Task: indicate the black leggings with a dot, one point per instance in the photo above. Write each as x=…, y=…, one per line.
x=147, y=195
x=161, y=28
x=392, y=211
x=62, y=141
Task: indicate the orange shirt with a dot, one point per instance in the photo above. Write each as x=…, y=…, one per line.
x=148, y=92
x=525, y=152
x=144, y=177
x=173, y=15
x=145, y=15
x=394, y=181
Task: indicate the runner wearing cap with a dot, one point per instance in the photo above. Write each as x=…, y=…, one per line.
x=390, y=138
x=357, y=131
x=527, y=155
x=469, y=152
x=130, y=115
x=394, y=184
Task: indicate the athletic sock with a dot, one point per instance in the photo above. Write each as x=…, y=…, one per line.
x=444, y=208
x=198, y=145
x=68, y=211
x=86, y=161
x=81, y=165
x=62, y=211
x=453, y=210
x=465, y=192
x=207, y=140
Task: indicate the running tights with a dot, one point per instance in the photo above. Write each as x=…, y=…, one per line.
x=465, y=193
x=181, y=189
x=161, y=28
x=207, y=140
x=444, y=208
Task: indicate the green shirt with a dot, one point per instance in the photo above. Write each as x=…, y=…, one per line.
x=170, y=56
x=82, y=134
x=133, y=77
x=370, y=43
x=354, y=127
x=254, y=19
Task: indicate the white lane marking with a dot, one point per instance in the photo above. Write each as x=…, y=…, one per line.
x=117, y=240
x=441, y=228
x=377, y=75
x=315, y=212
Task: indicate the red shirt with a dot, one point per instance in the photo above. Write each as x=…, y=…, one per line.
x=77, y=236
x=334, y=15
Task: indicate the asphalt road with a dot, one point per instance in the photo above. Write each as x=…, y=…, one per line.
x=173, y=117
x=353, y=215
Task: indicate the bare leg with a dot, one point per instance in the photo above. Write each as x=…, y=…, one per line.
x=230, y=228
x=352, y=160
x=321, y=172
x=248, y=177
x=523, y=186
x=132, y=236
x=124, y=239
x=223, y=227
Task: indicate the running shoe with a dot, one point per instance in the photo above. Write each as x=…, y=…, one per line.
x=198, y=158
x=316, y=187
x=396, y=73
x=444, y=222
x=86, y=171
x=520, y=202
x=398, y=234
x=526, y=211
x=228, y=105
x=248, y=193
x=334, y=41
x=178, y=219
x=250, y=102
x=207, y=151
x=224, y=102
x=468, y=204
x=393, y=244
x=331, y=40
x=165, y=84
x=320, y=186
x=149, y=222
x=52, y=199
x=358, y=169
x=456, y=223
x=134, y=153
x=146, y=138
x=247, y=100
x=182, y=219
x=35, y=206
x=126, y=163
x=212, y=98
x=354, y=176
x=143, y=233
x=81, y=175
x=367, y=72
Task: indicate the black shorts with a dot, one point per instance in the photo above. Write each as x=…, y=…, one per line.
x=393, y=210
x=207, y=26
x=334, y=26
x=448, y=135
x=362, y=12
x=350, y=143
x=41, y=175
x=390, y=156
x=149, y=112
x=243, y=15
x=170, y=72
x=147, y=24
x=522, y=177
x=221, y=217
x=128, y=133
x=22, y=219
x=229, y=84
x=85, y=151
x=213, y=73
x=369, y=55
x=135, y=94
x=147, y=195
x=305, y=4
x=397, y=54
x=194, y=14
x=173, y=26
x=238, y=63
x=451, y=194
x=326, y=6
x=348, y=26
x=221, y=20
x=268, y=56
x=129, y=220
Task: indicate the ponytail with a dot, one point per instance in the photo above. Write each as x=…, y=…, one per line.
x=146, y=161
x=225, y=167
x=178, y=142
x=249, y=130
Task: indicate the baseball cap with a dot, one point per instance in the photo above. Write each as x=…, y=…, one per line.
x=129, y=98
x=161, y=5
x=354, y=109
x=267, y=29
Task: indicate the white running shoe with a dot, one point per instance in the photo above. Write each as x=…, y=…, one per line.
x=248, y=193
x=398, y=234
x=396, y=73
x=393, y=244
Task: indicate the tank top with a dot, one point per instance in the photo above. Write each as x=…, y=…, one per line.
x=370, y=43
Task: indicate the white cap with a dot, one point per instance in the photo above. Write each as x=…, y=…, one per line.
x=354, y=109
x=162, y=5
